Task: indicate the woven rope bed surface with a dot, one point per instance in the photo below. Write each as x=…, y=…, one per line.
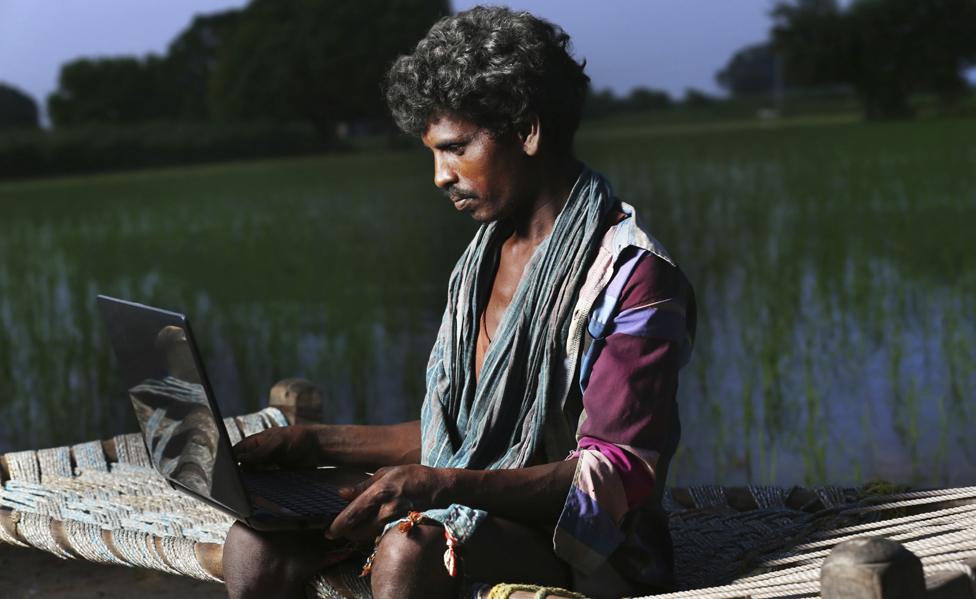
x=729, y=542
x=114, y=513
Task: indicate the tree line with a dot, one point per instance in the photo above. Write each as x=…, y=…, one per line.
x=280, y=76
x=320, y=63
x=885, y=52
x=272, y=61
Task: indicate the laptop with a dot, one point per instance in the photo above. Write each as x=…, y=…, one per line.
x=185, y=435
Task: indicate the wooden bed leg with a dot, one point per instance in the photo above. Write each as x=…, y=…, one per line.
x=879, y=568
x=299, y=400
x=949, y=585
x=871, y=568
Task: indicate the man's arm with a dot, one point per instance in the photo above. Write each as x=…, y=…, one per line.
x=533, y=495
x=308, y=446
x=369, y=446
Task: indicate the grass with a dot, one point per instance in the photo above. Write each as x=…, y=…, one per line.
x=832, y=261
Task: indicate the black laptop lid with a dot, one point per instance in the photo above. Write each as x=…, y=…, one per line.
x=173, y=401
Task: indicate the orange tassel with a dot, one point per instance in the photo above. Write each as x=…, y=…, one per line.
x=450, y=555
x=412, y=519
x=368, y=566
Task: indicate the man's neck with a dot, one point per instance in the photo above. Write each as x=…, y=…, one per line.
x=535, y=222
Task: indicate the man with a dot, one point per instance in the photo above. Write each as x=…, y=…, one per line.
x=564, y=330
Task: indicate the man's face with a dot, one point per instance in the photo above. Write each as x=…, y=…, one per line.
x=481, y=174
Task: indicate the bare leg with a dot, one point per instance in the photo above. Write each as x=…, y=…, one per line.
x=410, y=565
x=272, y=564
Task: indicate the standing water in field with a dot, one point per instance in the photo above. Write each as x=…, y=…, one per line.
x=833, y=267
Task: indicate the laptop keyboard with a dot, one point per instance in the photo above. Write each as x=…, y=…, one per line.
x=300, y=492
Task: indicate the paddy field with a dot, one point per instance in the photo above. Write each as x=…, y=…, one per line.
x=834, y=263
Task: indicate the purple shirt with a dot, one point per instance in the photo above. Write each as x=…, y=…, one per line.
x=630, y=428
x=633, y=384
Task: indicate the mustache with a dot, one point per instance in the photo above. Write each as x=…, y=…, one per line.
x=456, y=195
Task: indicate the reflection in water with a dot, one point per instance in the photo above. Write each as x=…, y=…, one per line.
x=175, y=417
x=833, y=396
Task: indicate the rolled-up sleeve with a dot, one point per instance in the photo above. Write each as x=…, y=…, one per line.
x=628, y=431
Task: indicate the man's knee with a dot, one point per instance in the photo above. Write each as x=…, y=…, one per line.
x=259, y=564
x=407, y=551
x=405, y=560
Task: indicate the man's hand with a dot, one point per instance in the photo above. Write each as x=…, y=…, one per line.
x=387, y=495
x=288, y=447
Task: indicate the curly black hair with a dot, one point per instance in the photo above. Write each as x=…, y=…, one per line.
x=496, y=67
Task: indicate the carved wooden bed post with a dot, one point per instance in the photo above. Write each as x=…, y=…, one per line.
x=299, y=400
x=880, y=568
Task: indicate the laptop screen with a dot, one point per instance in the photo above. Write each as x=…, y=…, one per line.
x=168, y=390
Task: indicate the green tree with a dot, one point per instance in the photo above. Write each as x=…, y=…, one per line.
x=17, y=109
x=643, y=99
x=190, y=62
x=885, y=50
x=600, y=103
x=110, y=91
x=696, y=98
x=752, y=70
x=314, y=61
x=125, y=90
x=603, y=103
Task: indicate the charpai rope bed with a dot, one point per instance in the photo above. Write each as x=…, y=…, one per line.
x=83, y=502
x=76, y=502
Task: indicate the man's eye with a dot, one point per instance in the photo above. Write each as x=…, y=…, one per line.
x=456, y=149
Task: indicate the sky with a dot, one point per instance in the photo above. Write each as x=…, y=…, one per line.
x=666, y=44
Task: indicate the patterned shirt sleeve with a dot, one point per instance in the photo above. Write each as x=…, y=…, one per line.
x=627, y=434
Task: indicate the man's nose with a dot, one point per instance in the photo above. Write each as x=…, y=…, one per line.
x=444, y=175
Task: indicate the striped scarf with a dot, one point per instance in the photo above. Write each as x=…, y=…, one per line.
x=498, y=421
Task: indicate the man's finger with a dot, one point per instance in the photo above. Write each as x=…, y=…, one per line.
x=350, y=518
x=244, y=446
x=255, y=451
x=368, y=529
x=353, y=491
x=253, y=441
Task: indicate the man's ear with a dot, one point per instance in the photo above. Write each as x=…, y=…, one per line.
x=530, y=136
